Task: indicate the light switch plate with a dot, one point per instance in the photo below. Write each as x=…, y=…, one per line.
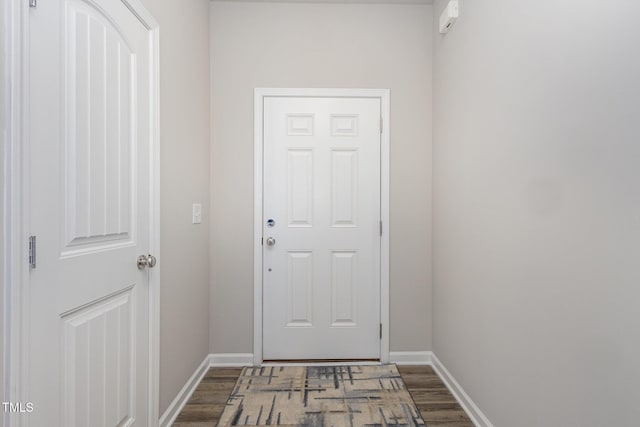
x=197, y=213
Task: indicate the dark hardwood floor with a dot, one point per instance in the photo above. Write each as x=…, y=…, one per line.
x=437, y=405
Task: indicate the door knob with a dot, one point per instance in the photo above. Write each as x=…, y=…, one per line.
x=271, y=241
x=146, y=261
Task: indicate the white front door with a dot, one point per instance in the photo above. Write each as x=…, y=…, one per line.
x=89, y=149
x=321, y=228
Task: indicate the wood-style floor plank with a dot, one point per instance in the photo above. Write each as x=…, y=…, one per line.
x=436, y=404
x=207, y=403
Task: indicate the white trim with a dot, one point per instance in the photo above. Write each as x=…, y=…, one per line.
x=260, y=94
x=323, y=92
x=410, y=357
x=151, y=24
x=15, y=205
x=231, y=360
x=473, y=411
x=144, y=16
x=258, y=126
x=183, y=396
x=385, y=155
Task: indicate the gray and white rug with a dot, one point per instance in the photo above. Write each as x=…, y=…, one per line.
x=321, y=396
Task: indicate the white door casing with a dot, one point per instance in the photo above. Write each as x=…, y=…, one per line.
x=323, y=287
x=87, y=343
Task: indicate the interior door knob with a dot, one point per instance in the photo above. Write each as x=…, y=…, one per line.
x=271, y=241
x=146, y=261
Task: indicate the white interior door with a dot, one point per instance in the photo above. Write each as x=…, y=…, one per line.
x=321, y=228
x=88, y=328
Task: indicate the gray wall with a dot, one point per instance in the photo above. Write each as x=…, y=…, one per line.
x=537, y=209
x=184, y=144
x=319, y=45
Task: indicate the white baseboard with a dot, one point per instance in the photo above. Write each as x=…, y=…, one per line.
x=410, y=357
x=472, y=410
x=231, y=359
x=183, y=396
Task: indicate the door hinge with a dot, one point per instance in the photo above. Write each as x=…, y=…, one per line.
x=32, y=252
x=381, y=121
x=380, y=330
x=381, y=228
x=33, y=3
x=262, y=241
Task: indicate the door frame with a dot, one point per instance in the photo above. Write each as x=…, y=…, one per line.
x=259, y=94
x=15, y=207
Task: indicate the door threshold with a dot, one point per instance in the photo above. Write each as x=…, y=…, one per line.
x=320, y=362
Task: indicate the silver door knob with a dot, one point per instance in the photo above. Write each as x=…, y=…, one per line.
x=146, y=261
x=271, y=241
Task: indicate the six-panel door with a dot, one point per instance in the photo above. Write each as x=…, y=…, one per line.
x=321, y=278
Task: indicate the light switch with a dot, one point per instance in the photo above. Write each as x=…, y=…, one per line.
x=197, y=213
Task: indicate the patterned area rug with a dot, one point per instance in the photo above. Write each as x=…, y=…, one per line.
x=321, y=396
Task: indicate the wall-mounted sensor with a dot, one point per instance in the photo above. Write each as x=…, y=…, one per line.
x=449, y=16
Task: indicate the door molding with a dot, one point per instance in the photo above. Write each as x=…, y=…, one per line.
x=15, y=206
x=259, y=95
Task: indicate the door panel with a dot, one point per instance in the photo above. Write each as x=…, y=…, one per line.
x=300, y=187
x=100, y=336
x=89, y=208
x=99, y=81
x=321, y=279
x=344, y=187
x=300, y=288
x=344, y=279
